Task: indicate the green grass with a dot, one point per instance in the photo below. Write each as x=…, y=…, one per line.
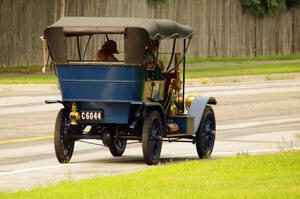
x=240, y=59
x=243, y=176
x=21, y=74
x=21, y=69
x=29, y=79
x=236, y=70
x=26, y=75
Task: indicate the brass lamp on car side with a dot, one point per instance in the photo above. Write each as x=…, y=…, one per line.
x=74, y=115
x=173, y=110
x=189, y=99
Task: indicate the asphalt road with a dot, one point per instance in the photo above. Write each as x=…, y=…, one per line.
x=251, y=118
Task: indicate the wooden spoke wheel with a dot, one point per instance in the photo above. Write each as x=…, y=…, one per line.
x=205, y=136
x=117, y=147
x=63, y=145
x=152, y=138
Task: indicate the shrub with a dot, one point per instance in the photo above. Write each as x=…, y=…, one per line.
x=155, y=2
x=267, y=7
x=292, y=3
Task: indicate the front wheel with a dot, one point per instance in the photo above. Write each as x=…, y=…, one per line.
x=152, y=138
x=205, y=136
x=117, y=147
x=63, y=145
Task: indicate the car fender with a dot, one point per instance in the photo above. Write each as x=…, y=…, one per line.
x=197, y=108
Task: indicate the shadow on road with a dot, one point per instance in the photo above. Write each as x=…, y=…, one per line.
x=127, y=160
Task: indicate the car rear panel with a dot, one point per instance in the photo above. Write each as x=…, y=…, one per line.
x=111, y=89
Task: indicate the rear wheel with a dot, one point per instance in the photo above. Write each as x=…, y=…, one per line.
x=152, y=138
x=117, y=147
x=63, y=145
x=205, y=136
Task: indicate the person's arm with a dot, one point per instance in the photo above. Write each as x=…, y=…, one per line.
x=112, y=58
x=149, y=60
x=99, y=56
x=161, y=65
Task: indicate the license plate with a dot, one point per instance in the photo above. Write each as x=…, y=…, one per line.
x=91, y=115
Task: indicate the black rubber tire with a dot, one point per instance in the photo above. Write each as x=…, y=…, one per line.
x=152, y=138
x=63, y=145
x=206, y=134
x=117, y=147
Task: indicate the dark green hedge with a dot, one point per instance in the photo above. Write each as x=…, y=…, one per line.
x=267, y=7
x=155, y=2
x=292, y=3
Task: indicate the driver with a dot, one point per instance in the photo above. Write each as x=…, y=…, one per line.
x=107, y=51
x=149, y=57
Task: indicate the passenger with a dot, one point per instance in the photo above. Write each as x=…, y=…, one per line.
x=149, y=57
x=106, y=52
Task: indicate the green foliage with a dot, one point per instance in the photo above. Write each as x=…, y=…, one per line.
x=292, y=3
x=267, y=7
x=155, y=2
x=263, y=7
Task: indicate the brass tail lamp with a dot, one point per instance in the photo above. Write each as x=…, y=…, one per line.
x=74, y=115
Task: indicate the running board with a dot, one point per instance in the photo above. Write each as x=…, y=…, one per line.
x=53, y=101
x=99, y=137
x=180, y=136
x=77, y=137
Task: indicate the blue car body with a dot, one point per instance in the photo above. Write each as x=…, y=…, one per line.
x=112, y=89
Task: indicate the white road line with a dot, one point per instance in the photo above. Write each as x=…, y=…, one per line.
x=252, y=124
x=246, y=89
x=245, y=86
x=251, y=91
x=30, y=109
x=35, y=169
x=217, y=90
x=254, y=151
x=225, y=154
x=232, y=153
x=23, y=100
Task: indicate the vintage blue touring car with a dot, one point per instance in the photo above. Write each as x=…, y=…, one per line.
x=119, y=101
